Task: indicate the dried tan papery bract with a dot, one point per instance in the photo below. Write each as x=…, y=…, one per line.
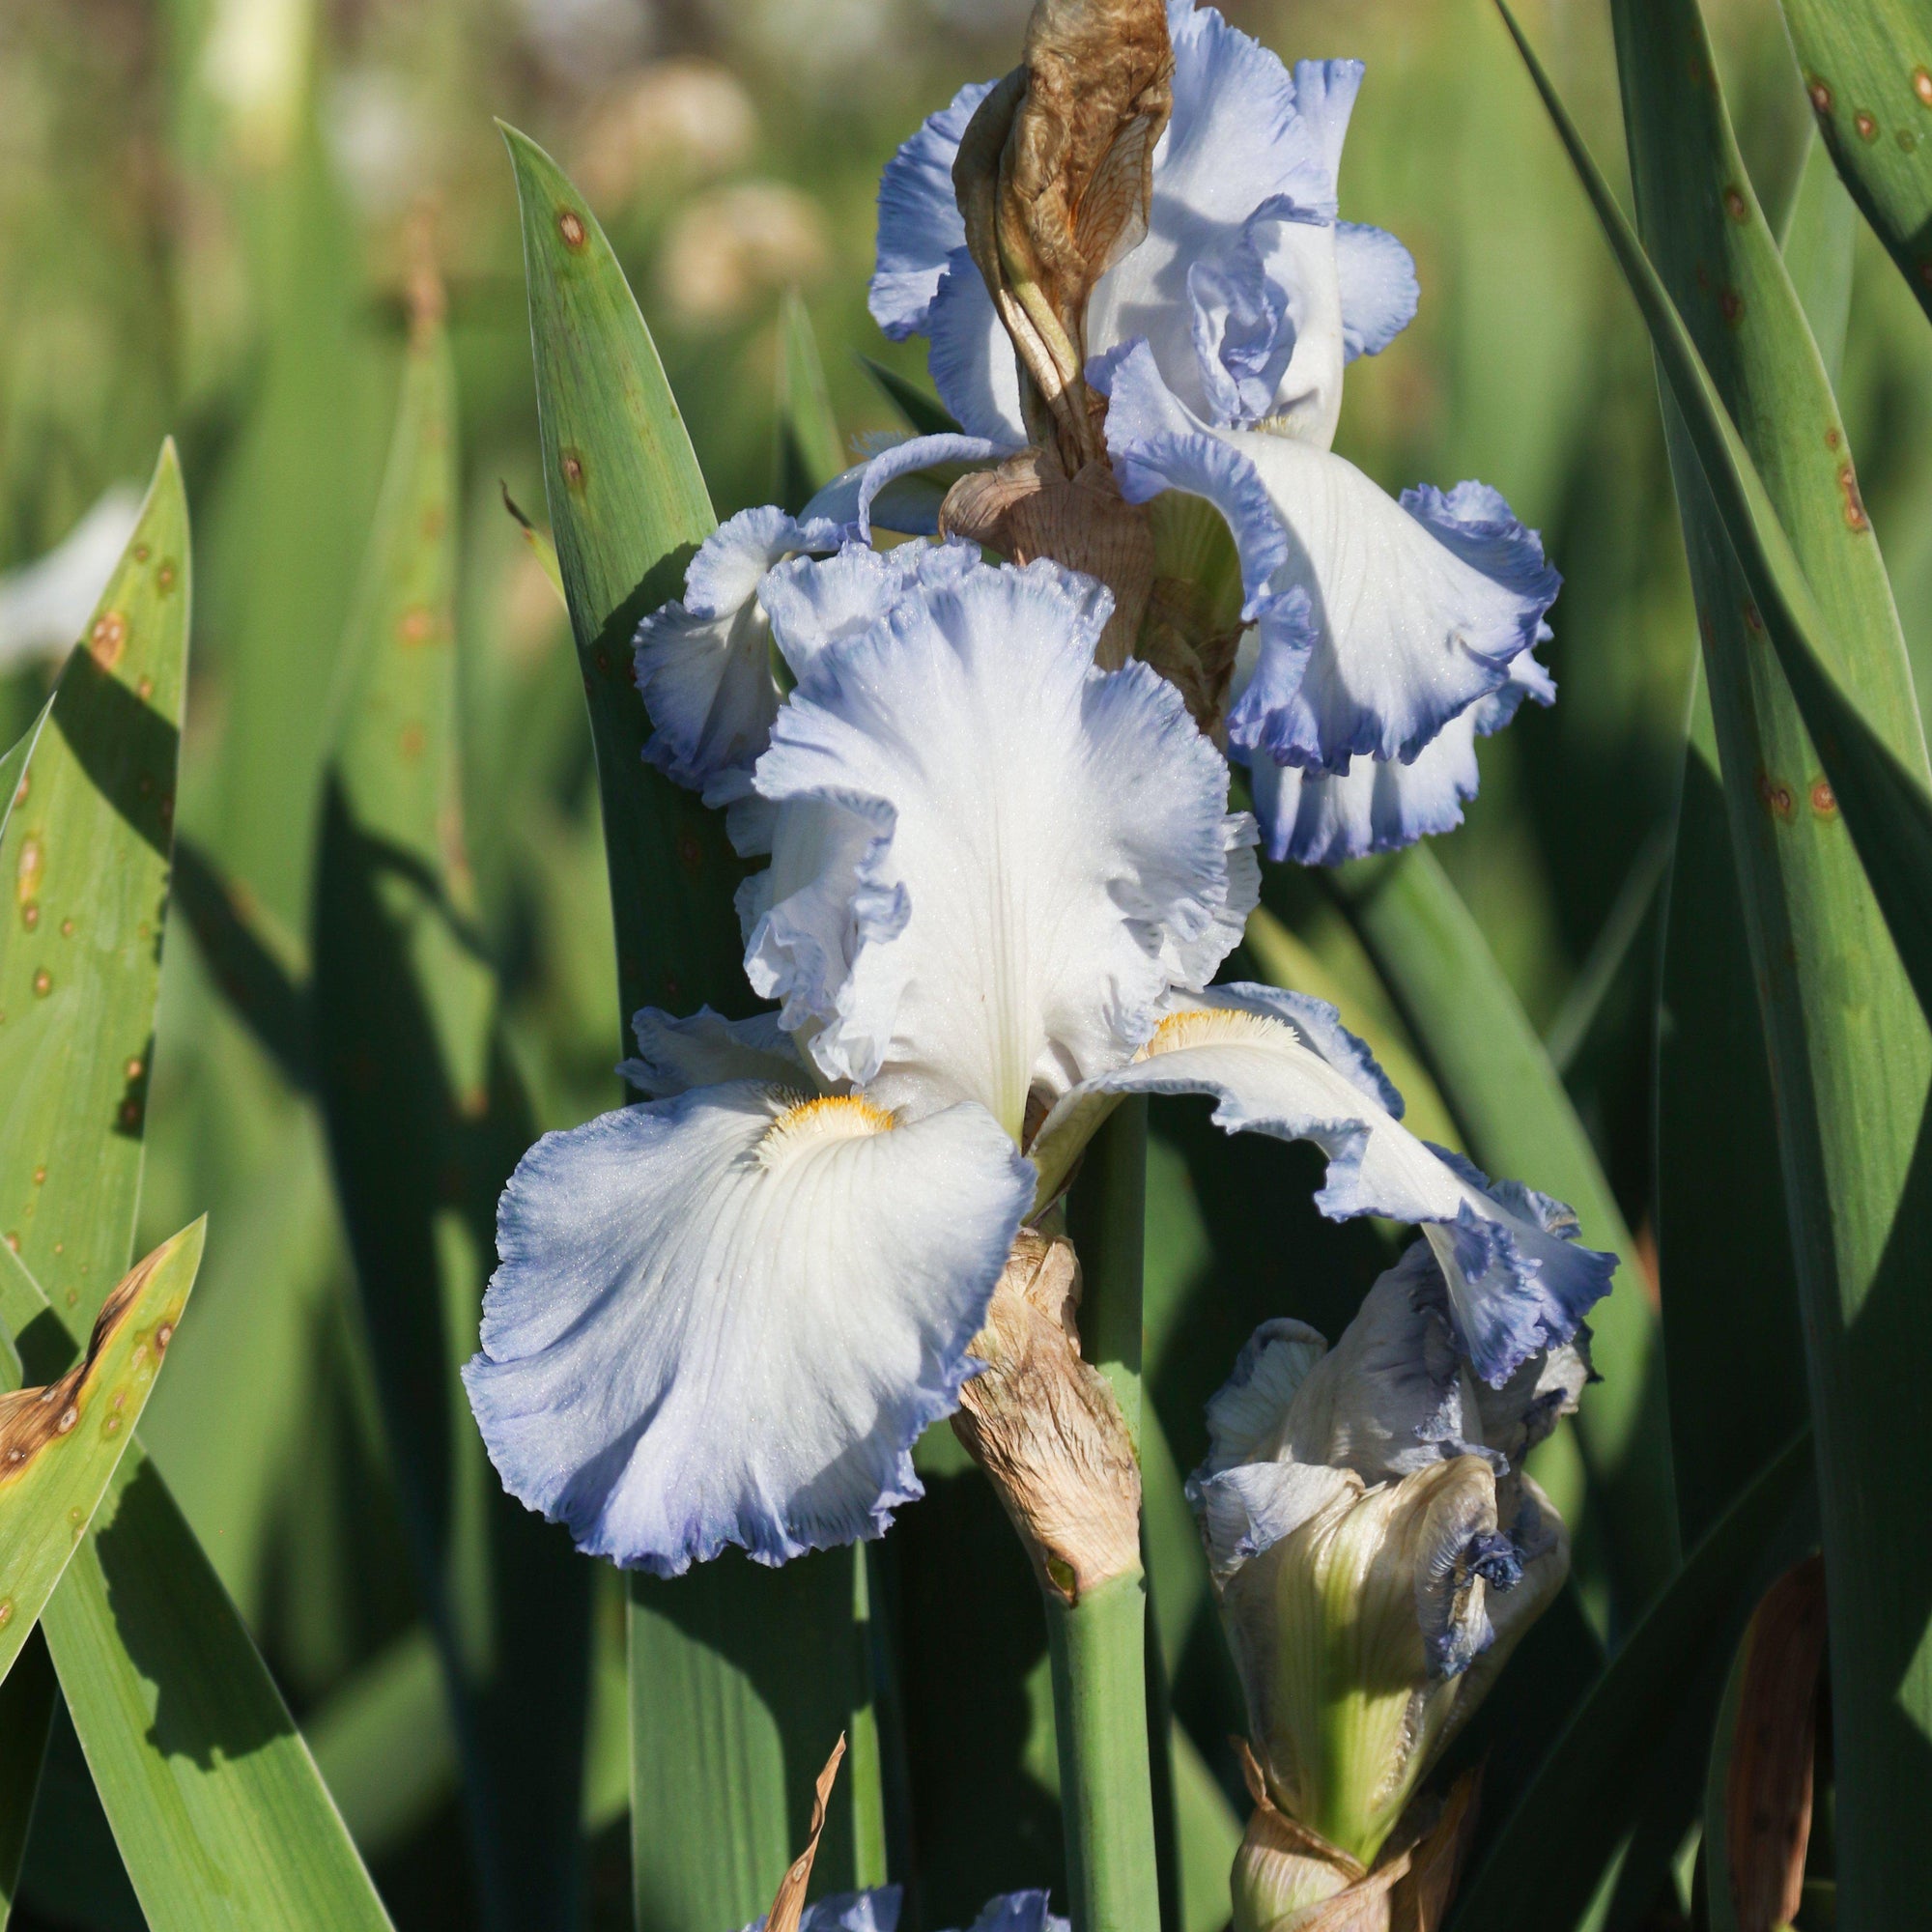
x=1054, y=177
x=1768, y=1791
x=789, y=1904
x=1046, y=1428
x=1028, y=507
x=1289, y=1879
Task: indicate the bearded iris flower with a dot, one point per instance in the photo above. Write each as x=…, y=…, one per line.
x=1376, y=1550
x=1381, y=636
x=1000, y=881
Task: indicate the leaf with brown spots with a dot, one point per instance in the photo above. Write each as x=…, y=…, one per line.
x=84, y=859
x=61, y=1445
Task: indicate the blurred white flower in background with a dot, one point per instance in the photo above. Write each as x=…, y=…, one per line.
x=255, y=63
x=582, y=42
x=819, y=43
x=731, y=246
x=44, y=605
x=378, y=138
x=687, y=118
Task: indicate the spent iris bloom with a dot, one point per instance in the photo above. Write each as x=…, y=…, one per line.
x=1000, y=880
x=1379, y=637
x=1375, y=1546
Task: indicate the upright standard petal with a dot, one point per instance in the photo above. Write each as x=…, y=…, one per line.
x=725, y=1317
x=990, y=860
x=704, y=665
x=1517, y=1280
x=920, y=224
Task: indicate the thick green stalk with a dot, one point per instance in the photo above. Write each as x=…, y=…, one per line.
x=1106, y=1793
x=1098, y=1645
x=1519, y=1124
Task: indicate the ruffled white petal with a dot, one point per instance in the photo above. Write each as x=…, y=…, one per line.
x=1516, y=1281
x=991, y=859
x=723, y=1318
x=676, y=1055
x=920, y=224
x=704, y=665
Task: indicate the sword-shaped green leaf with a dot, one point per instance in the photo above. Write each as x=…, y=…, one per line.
x=216, y=1804
x=60, y=1444
x=740, y=1677
x=809, y=452
x=84, y=872
x=1868, y=67
x=1519, y=1124
x=426, y=1121
x=1850, y=1056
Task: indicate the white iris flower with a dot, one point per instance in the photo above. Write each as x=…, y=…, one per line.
x=1000, y=880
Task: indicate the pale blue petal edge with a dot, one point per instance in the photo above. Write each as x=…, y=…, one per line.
x=920, y=224
x=1379, y=291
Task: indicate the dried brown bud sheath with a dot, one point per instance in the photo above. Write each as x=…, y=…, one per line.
x=1046, y=1428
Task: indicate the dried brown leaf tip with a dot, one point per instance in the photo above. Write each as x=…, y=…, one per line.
x=1053, y=178
x=1768, y=1789
x=31, y=1418
x=1046, y=1428
x=789, y=1904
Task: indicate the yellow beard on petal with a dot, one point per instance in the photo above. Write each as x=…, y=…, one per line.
x=811, y=1124
x=1216, y=1026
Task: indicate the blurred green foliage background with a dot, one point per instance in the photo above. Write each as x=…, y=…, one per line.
x=208, y=211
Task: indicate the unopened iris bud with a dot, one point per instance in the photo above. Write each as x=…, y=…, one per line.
x=1378, y=1552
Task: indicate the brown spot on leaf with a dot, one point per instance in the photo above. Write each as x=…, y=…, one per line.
x=1821, y=95
x=573, y=468
x=141, y=552
x=1735, y=205
x=32, y=864
x=570, y=225
x=1866, y=125
x=43, y=983
x=6, y=1611
x=412, y=741
x=165, y=577
x=145, y=689
x=1921, y=85
x=1855, y=508
x=1778, y=798
x=1731, y=304
x=30, y=915
x=135, y=1068
x=40, y=1177
x=1832, y=439
x=417, y=626
x=67, y=928
x=130, y=1115
x=108, y=640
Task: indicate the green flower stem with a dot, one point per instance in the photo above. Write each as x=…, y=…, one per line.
x=1106, y=1792
x=1099, y=1644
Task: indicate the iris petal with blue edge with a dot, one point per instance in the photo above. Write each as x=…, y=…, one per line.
x=991, y=861
x=725, y=1317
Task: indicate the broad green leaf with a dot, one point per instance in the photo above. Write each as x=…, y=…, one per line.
x=285, y=523
x=426, y=1121
x=1543, y=1868
x=61, y=1445
x=1849, y=1057
x=628, y=508
x=1518, y=1124
x=385, y=1744
x=809, y=451
x=727, y=1730
x=217, y=1807
x=925, y=414
x=1819, y=239
x=1868, y=66
x=1874, y=774
x=84, y=860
